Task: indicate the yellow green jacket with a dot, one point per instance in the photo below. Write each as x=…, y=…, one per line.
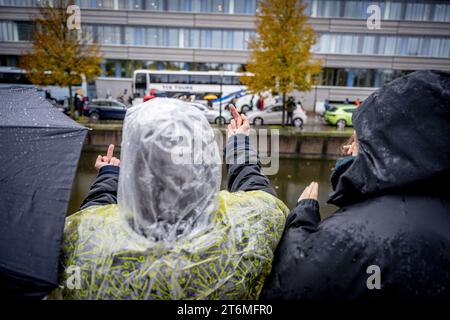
x=228, y=260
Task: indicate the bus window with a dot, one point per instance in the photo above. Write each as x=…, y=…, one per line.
x=140, y=84
x=199, y=79
x=178, y=78
x=236, y=81
x=228, y=80
x=159, y=78
x=216, y=79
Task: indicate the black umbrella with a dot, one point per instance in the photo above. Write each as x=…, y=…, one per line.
x=39, y=152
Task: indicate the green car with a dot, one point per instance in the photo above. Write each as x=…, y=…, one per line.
x=340, y=115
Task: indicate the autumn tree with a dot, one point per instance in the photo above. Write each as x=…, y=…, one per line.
x=60, y=54
x=281, y=59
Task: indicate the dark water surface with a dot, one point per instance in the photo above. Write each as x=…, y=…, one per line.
x=293, y=176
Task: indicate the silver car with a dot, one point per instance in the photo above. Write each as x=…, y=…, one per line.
x=274, y=115
x=212, y=115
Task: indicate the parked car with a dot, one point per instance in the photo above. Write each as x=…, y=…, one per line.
x=274, y=115
x=212, y=115
x=340, y=115
x=99, y=109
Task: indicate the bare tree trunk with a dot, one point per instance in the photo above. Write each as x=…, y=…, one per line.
x=284, y=109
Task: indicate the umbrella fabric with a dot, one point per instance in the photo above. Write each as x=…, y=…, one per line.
x=210, y=97
x=40, y=148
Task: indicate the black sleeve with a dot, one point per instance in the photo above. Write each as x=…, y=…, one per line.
x=305, y=216
x=315, y=259
x=243, y=166
x=104, y=189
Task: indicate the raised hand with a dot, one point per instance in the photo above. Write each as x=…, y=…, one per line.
x=107, y=160
x=310, y=192
x=239, y=124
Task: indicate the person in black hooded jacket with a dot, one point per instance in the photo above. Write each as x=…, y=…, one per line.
x=390, y=239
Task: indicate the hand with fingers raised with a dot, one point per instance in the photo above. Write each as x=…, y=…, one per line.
x=310, y=192
x=107, y=160
x=239, y=124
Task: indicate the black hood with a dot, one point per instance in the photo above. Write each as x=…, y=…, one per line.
x=404, y=139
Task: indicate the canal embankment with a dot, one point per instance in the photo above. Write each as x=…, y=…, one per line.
x=319, y=142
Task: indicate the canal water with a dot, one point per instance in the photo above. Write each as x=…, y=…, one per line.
x=293, y=176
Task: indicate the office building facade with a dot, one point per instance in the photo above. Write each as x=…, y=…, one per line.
x=213, y=35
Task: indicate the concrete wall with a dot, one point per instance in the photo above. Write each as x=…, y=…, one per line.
x=292, y=142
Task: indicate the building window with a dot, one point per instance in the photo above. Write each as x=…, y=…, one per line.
x=441, y=12
x=8, y=31
x=8, y=61
x=418, y=11
x=109, y=34
x=245, y=6
x=383, y=45
x=192, y=38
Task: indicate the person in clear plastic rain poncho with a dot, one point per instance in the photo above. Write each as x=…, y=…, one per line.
x=172, y=234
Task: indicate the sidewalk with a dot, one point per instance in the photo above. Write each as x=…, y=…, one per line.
x=313, y=128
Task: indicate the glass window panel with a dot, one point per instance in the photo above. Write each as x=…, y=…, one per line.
x=308, y=9
x=173, y=5
x=8, y=31
x=355, y=9
x=227, y=80
x=199, y=79
x=130, y=38
x=238, y=40
x=444, y=48
x=215, y=79
x=88, y=33
x=413, y=46
x=393, y=10
x=328, y=8
x=205, y=38
x=172, y=37
x=368, y=45
x=109, y=34
x=227, y=39
x=159, y=78
x=196, y=5
x=341, y=78
x=151, y=37
x=387, y=45
x=25, y=31
x=178, y=78
x=154, y=5
x=141, y=81
x=248, y=35
x=105, y=4
x=130, y=4
x=417, y=11
x=424, y=47
x=363, y=78
x=434, y=47
x=192, y=38
x=245, y=6
x=219, y=6
x=216, y=39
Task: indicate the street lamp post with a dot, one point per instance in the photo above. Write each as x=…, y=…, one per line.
x=220, y=98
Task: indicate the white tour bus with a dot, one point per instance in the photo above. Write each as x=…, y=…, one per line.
x=198, y=83
x=11, y=77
